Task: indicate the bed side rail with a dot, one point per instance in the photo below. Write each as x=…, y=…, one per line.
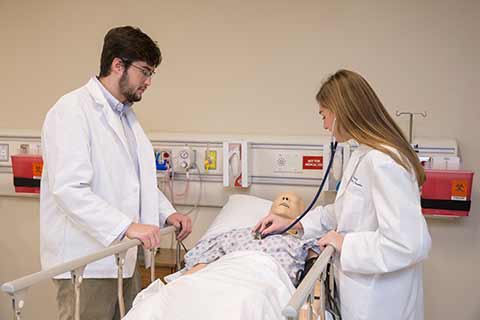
x=305, y=291
x=17, y=288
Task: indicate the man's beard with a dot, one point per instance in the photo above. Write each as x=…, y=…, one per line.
x=126, y=91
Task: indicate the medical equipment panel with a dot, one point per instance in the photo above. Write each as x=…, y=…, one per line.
x=236, y=163
x=4, y=152
x=185, y=160
x=163, y=158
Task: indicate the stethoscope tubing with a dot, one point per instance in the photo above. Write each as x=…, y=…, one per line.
x=333, y=149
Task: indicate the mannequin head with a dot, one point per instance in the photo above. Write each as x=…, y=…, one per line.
x=288, y=205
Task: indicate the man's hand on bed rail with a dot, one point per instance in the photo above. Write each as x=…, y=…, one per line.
x=182, y=223
x=147, y=233
x=273, y=223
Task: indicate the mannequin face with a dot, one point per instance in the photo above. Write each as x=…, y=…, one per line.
x=288, y=205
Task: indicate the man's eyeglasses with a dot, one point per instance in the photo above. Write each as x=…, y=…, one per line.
x=146, y=73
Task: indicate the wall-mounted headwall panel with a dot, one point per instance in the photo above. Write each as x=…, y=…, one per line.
x=436, y=147
x=274, y=162
x=17, y=144
x=278, y=163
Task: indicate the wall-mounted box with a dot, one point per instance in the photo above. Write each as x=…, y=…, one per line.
x=27, y=172
x=447, y=193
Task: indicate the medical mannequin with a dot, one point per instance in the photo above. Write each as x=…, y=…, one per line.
x=287, y=205
x=376, y=223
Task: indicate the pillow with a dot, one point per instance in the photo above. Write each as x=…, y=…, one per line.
x=240, y=211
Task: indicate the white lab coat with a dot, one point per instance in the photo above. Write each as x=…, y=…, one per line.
x=90, y=190
x=386, y=237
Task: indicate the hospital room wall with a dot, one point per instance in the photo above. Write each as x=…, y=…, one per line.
x=254, y=67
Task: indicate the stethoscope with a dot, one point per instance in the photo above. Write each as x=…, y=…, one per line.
x=333, y=149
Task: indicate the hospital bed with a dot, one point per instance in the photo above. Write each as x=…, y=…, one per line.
x=265, y=287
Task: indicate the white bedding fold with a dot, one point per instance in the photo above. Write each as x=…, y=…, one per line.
x=241, y=285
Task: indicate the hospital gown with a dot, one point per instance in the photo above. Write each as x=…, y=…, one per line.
x=288, y=250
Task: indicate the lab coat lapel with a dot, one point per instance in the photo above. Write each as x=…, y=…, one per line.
x=146, y=164
x=356, y=157
x=138, y=133
x=112, y=118
x=115, y=123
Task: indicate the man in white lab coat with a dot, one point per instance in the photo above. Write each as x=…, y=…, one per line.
x=99, y=179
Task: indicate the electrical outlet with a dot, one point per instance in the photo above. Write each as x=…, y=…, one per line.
x=4, y=152
x=24, y=148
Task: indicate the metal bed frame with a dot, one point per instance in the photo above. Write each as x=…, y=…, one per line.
x=17, y=289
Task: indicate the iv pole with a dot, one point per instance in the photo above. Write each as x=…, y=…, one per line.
x=410, y=127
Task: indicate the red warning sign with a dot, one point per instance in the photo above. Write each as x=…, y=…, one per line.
x=312, y=162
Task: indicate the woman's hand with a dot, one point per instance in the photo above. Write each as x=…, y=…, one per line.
x=272, y=223
x=333, y=238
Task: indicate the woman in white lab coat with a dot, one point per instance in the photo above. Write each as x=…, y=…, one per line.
x=376, y=223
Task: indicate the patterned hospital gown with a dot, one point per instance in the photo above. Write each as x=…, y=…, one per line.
x=288, y=250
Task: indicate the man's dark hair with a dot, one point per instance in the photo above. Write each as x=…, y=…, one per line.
x=129, y=44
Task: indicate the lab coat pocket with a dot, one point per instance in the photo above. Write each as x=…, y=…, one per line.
x=352, y=209
x=355, y=295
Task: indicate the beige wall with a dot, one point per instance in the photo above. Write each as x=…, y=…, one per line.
x=225, y=61
x=19, y=245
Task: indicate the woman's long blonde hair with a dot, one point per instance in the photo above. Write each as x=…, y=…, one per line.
x=361, y=116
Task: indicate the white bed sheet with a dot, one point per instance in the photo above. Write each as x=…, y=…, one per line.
x=241, y=285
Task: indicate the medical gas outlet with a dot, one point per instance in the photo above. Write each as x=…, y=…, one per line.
x=163, y=159
x=185, y=160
